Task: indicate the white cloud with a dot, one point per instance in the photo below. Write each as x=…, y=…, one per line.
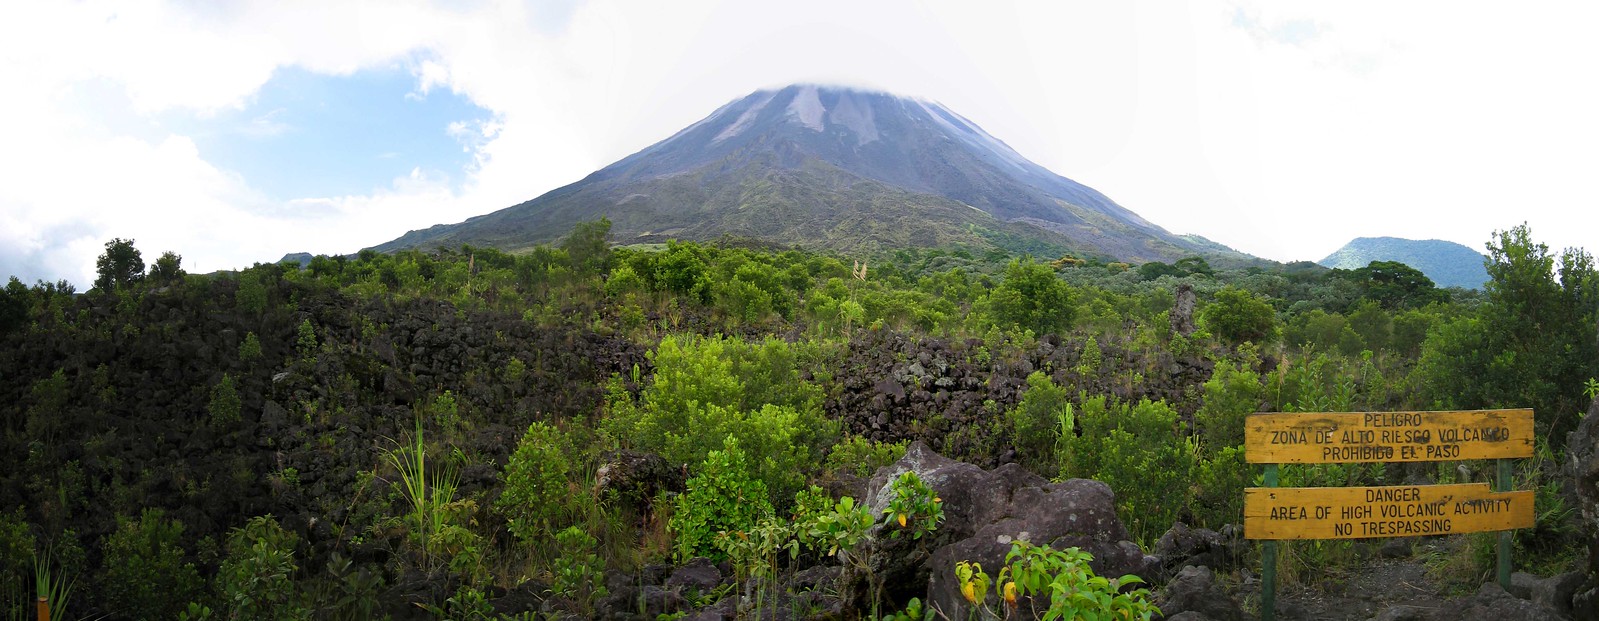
x=1280, y=128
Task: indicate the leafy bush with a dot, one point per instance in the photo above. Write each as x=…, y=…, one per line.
x=16, y=555
x=915, y=507
x=1036, y=421
x=536, y=495
x=256, y=581
x=251, y=296
x=707, y=389
x=579, y=573
x=224, y=405
x=1238, y=315
x=1232, y=393
x=861, y=457
x=680, y=270
x=1031, y=297
x=722, y=495
x=1065, y=580
x=250, y=349
x=146, y=576
x=1136, y=450
x=623, y=281
x=1221, y=477
x=305, y=340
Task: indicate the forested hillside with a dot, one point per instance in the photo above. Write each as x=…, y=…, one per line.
x=474, y=434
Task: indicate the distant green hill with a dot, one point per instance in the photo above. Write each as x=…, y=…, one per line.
x=1447, y=263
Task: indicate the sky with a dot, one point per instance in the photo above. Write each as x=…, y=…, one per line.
x=235, y=132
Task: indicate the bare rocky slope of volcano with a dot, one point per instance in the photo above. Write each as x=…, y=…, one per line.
x=834, y=169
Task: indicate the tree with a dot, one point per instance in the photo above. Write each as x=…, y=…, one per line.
x=1237, y=316
x=589, y=247
x=1194, y=265
x=1156, y=269
x=1396, y=285
x=1042, y=416
x=168, y=269
x=1373, y=324
x=13, y=305
x=681, y=271
x=1031, y=297
x=1531, y=343
x=120, y=265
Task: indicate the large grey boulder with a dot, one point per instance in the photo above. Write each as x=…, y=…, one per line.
x=985, y=511
x=1195, y=590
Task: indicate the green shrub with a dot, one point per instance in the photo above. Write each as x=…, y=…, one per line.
x=1036, y=421
x=514, y=370
x=1238, y=315
x=1136, y=450
x=536, y=497
x=47, y=416
x=146, y=576
x=915, y=508
x=861, y=457
x=16, y=558
x=624, y=281
x=251, y=296
x=1231, y=394
x=224, y=405
x=256, y=581
x=250, y=349
x=722, y=495
x=1065, y=580
x=706, y=389
x=579, y=573
x=305, y=340
x=1221, y=478
x=446, y=413
x=1033, y=298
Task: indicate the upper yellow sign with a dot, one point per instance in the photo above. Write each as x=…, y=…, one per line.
x=1350, y=437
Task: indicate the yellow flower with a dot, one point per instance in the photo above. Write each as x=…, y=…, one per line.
x=902, y=520
x=969, y=591
x=1010, y=593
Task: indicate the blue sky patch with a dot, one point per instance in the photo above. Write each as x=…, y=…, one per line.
x=306, y=135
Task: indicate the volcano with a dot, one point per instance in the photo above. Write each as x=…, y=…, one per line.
x=839, y=169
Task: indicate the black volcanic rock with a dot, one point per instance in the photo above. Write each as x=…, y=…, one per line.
x=837, y=169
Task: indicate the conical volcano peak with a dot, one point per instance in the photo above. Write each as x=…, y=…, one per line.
x=807, y=163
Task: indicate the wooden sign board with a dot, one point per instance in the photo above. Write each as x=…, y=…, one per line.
x=1352, y=437
x=1396, y=511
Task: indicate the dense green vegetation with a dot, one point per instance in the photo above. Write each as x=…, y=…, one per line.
x=362, y=434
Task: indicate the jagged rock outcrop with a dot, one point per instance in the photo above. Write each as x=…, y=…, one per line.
x=1185, y=547
x=1582, y=448
x=1494, y=603
x=1182, y=312
x=986, y=510
x=636, y=477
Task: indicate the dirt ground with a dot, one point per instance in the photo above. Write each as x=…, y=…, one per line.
x=1385, y=579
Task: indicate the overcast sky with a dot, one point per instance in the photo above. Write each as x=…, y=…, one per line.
x=235, y=132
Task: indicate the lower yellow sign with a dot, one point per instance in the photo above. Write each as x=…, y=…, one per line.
x=1395, y=511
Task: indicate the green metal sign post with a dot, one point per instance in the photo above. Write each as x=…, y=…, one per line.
x=1272, y=513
